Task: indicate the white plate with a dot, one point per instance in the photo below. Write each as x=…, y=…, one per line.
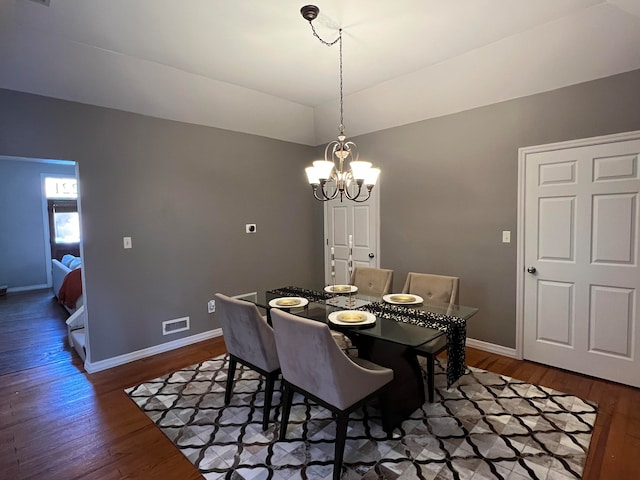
x=341, y=289
x=351, y=318
x=288, y=302
x=402, y=299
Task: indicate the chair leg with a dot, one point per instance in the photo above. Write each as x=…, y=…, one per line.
x=341, y=439
x=230, y=374
x=384, y=413
x=268, y=394
x=430, y=376
x=287, y=397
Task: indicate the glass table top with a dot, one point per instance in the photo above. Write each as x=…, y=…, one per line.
x=386, y=329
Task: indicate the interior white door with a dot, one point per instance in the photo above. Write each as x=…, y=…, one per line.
x=581, y=258
x=360, y=220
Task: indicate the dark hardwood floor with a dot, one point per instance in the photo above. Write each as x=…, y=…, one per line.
x=59, y=423
x=32, y=331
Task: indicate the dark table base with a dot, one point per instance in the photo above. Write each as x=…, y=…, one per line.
x=405, y=394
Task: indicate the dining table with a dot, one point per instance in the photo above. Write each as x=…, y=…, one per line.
x=388, y=338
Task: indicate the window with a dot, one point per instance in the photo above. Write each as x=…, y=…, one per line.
x=66, y=226
x=58, y=187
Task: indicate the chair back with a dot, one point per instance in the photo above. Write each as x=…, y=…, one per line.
x=433, y=288
x=311, y=360
x=247, y=334
x=374, y=282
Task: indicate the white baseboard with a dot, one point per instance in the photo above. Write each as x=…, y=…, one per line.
x=28, y=288
x=491, y=348
x=92, y=367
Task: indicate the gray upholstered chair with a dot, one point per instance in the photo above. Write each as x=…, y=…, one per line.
x=436, y=289
x=251, y=342
x=374, y=282
x=433, y=288
x=313, y=365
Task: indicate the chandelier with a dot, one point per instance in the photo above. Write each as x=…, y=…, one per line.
x=341, y=172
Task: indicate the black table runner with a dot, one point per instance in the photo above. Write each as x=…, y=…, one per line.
x=311, y=295
x=454, y=327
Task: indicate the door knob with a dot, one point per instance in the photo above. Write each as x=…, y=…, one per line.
x=371, y=255
x=531, y=270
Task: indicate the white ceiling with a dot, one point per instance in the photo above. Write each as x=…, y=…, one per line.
x=254, y=65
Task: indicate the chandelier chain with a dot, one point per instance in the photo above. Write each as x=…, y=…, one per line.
x=330, y=44
x=341, y=99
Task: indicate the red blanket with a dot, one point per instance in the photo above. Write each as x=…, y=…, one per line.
x=71, y=288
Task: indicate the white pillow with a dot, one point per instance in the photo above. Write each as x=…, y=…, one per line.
x=75, y=263
x=67, y=259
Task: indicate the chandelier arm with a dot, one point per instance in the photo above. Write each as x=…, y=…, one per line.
x=352, y=148
x=333, y=144
x=323, y=190
x=315, y=194
x=353, y=197
x=357, y=198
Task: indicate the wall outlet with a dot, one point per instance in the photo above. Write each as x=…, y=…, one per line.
x=250, y=228
x=211, y=306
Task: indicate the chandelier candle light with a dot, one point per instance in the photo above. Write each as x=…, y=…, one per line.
x=331, y=177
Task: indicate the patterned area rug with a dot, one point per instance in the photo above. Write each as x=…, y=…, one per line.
x=486, y=426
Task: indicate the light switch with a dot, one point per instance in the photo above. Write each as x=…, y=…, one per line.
x=127, y=242
x=506, y=236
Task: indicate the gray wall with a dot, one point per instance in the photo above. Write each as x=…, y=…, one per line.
x=23, y=250
x=183, y=193
x=449, y=187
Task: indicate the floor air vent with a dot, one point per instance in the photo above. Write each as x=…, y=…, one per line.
x=42, y=2
x=175, y=326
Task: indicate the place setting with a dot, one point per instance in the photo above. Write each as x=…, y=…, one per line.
x=288, y=302
x=352, y=318
x=341, y=289
x=402, y=299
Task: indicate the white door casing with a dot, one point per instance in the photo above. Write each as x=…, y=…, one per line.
x=578, y=228
x=360, y=220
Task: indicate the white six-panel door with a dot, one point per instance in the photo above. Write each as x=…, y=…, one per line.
x=581, y=276
x=359, y=220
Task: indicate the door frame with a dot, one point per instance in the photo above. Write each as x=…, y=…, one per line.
x=325, y=240
x=520, y=264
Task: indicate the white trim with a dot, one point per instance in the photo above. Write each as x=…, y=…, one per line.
x=522, y=158
x=491, y=348
x=28, y=288
x=45, y=229
x=93, y=367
